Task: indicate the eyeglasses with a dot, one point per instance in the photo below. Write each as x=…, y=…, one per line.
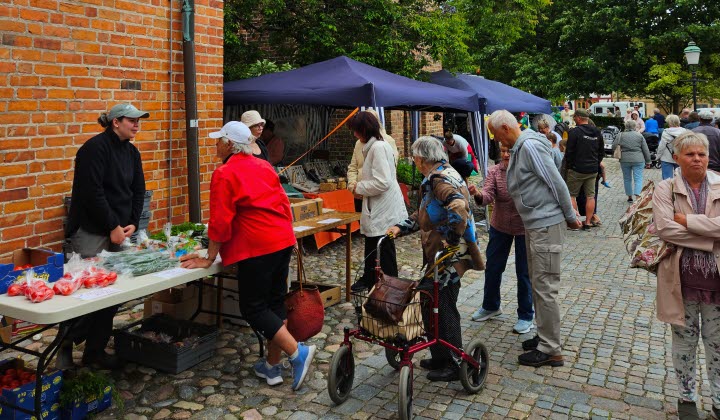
x=261, y=125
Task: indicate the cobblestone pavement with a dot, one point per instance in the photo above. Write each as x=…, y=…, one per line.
x=617, y=355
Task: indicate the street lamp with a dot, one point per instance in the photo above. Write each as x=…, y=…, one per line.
x=692, y=55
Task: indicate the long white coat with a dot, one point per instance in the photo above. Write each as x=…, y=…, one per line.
x=383, y=204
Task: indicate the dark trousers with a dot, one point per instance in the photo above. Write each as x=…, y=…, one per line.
x=448, y=321
x=262, y=285
x=388, y=259
x=498, y=250
x=463, y=167
x=95, y=328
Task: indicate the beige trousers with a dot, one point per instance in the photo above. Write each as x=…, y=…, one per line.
x=544, y=253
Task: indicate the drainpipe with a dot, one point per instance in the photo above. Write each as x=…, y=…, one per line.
x=191, y=119
x=170, y=134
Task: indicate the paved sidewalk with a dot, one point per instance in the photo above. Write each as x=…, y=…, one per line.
x=617, y=355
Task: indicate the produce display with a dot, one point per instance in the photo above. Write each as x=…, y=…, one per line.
x=137, y=262
x=33, y=288
x=13, y=378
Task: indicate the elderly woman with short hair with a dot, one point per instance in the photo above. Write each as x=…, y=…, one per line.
x=665, y=149
x=444, y=219
x=686, y=211
x=251, y=226
x=635, y=157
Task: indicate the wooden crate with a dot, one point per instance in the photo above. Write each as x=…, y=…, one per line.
x=329, y=293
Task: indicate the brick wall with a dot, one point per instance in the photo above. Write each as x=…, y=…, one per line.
x=61, y=65
x=397, y=124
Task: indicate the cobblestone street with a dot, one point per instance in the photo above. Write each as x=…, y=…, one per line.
x=617, y=354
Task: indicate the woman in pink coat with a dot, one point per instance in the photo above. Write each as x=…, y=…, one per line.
x=686, y=210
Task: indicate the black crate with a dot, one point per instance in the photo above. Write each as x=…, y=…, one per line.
x=132, y=346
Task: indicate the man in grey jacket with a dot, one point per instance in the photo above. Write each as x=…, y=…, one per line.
x=543, y=202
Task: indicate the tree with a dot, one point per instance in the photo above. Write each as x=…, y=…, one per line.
x=398, y=36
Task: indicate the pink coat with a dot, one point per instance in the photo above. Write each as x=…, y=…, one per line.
x=703, y=233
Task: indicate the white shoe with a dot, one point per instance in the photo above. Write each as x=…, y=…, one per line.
x=483, y=315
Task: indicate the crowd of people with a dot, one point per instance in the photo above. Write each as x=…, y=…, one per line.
x=540, y=187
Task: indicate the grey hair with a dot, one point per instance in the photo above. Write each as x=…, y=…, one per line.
x=429, y=150
x=545, y=121
x=689, y=139
x=630, y=125
x=502, y=117
x=673, y=120
x=238, y=147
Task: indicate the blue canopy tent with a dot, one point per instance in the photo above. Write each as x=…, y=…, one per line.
x=345, y=83
x=493, y=96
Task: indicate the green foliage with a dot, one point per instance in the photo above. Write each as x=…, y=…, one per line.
x=86, y=385
x=175, y=230
x=408, y=174
x=602, y=122
x=398, y=36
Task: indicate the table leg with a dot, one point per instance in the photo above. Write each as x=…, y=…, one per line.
x=348, y=249
x=218, y=302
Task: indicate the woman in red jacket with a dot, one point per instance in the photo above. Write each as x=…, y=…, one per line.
x=251, y=225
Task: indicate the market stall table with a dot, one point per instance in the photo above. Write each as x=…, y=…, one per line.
x=340, y=201
x=329, y=222
x=85, y=301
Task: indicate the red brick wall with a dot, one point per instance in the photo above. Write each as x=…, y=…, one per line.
x=61, y=65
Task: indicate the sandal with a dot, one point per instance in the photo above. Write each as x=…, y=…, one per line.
x=596, y=224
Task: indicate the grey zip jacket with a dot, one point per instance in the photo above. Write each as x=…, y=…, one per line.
x=534, y=182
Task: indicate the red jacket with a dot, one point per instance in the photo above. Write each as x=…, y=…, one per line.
x=249, y=210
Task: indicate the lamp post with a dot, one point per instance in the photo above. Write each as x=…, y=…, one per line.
x=692, y=55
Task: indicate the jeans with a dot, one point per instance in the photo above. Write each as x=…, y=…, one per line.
x=667, y=169
x=632, y=177
x=498, y=250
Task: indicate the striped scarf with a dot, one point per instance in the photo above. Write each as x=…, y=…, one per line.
x=701, y=261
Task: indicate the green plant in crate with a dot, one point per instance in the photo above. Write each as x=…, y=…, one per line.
x=197, y=229
x=87, y=385
x=408, y=174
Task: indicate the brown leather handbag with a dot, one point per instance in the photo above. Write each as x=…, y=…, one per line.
x=305, y=309
x=389, y=298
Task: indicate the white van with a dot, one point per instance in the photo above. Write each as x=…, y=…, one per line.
x=602, y=108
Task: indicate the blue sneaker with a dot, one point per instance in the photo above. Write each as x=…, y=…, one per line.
x=301, y=364
x=483, y=314
x=606, y=184
x=522, y=326
x=272, y=375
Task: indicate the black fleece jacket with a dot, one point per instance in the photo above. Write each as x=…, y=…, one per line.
x=109, y=185
x=585, y=149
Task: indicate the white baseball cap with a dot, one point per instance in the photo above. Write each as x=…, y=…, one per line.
x=234, y=131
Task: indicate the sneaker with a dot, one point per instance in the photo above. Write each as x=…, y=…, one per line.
x=630, y=200
x=687, y=410
x=272, y=375
x=531, y=344
x=536, y=358
x=523, y=326
x=606, y=184
x=301, y=364
x=483, y=314
x=585, y=227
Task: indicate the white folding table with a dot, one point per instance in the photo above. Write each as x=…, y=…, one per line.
x=67, y=308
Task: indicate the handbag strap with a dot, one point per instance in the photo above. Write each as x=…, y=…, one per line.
x=301, y=268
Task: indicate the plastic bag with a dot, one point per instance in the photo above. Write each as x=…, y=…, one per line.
x=37, y=290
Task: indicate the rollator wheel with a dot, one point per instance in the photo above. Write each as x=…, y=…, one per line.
x=405, y=396
x=473, y=379
x=342, y=374
x=393, y=358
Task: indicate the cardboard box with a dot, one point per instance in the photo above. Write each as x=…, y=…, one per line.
x=303, y=208
x=330, y=294
x=18, y=326
x=24, y=396
x=47, y=265
x=181, y=303
x=176, y=294
x=80, y=409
